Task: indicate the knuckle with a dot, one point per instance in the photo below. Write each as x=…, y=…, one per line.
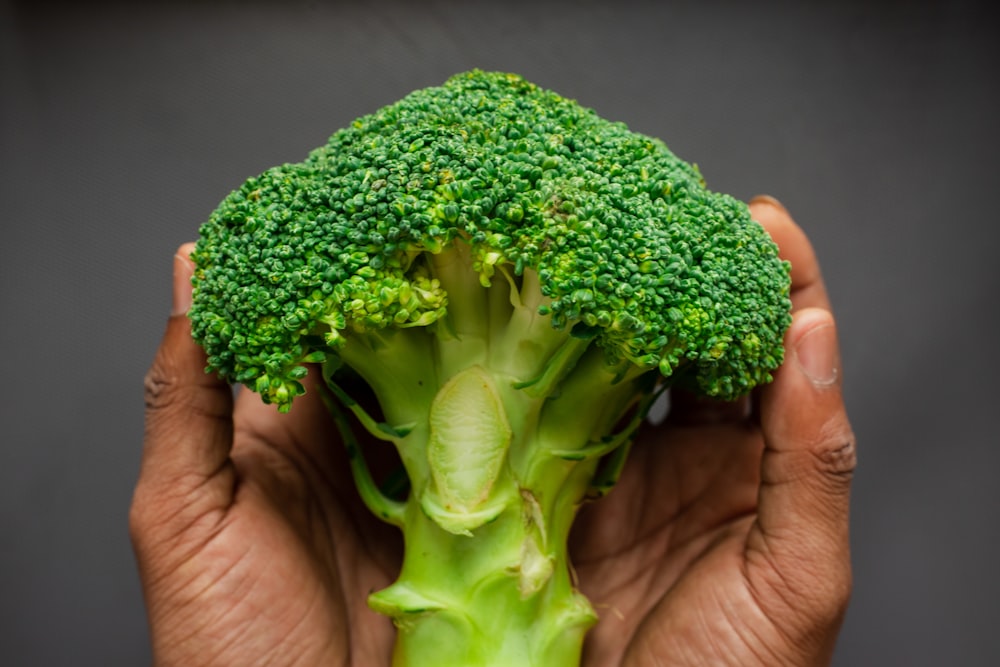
x=836, y=455
x=164, y=380
x=162, y=386
x=157, y=385
x=838, y=459
x=153, y=385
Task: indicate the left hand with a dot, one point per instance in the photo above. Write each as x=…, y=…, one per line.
x=253, y=547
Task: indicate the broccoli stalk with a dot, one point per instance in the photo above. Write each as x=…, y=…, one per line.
x=514, y=279
x=502, y=423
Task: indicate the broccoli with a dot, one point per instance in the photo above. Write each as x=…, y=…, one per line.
x=512, y=280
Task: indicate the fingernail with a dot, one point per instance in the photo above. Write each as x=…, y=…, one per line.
x=816, y=353
x=182, y=285
x=770, y=201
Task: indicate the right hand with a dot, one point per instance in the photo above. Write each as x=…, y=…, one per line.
x=725, y=541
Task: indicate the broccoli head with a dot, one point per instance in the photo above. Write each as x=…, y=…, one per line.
x=514, y=279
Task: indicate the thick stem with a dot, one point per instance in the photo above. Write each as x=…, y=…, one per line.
x=486, y=576
x=502, y=424
x=502, y=597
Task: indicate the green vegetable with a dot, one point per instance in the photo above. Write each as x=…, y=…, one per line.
x=515, y=279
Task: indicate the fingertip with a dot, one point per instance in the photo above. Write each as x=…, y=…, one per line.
x=812, y=364
x=793, y=246
x=772, y=216
x=183, y=271
x=812, y=341
x=775, y=218
x=180, y=361
x=763, y=203
x=185, y=249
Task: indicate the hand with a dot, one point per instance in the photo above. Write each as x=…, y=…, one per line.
x=725, y=541
x=252, y=545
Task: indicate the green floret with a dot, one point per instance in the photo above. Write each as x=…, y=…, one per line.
x=514, y=278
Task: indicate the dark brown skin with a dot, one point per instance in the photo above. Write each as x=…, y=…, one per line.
x=724, y=543
x=726, y=540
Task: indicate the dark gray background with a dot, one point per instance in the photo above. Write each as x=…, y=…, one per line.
x=876, y=123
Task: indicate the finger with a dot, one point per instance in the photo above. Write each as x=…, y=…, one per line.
x=188, y=411
x=808, y=290
x=807, y=465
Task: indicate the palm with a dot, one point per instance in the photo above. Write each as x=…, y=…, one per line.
x=320, y=552
x=663, y=552
x=695, y=487
x=324, y=552
x=281, y=568
x=676, y=559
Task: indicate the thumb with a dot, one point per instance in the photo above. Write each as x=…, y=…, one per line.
x=806, y=469
x=188, y=412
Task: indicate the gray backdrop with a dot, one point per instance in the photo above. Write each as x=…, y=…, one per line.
x=876, y=123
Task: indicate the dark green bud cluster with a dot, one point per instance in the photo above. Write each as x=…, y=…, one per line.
x=628, y=244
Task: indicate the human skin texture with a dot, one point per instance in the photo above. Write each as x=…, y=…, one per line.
x=724, y=542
